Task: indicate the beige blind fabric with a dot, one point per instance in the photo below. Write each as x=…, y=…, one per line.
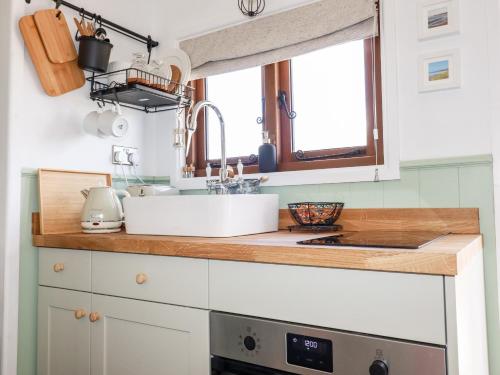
x=281, y=36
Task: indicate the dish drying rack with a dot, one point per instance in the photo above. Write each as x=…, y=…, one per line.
x=140, y=90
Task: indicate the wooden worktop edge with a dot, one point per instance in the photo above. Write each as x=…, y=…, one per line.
x=447, y=263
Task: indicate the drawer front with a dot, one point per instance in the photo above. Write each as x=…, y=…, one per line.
x=178, y=281
x=69, y=269
x=397, y=305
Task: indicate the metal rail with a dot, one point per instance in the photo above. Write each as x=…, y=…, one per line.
x=150, y=43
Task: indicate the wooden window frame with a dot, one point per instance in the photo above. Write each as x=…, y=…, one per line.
x=277, y=77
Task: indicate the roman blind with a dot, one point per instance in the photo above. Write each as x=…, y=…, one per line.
x=281, y=36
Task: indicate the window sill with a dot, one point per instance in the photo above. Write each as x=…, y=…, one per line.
x=307, y=177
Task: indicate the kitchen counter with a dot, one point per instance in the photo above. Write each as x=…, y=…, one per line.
x=447, y=255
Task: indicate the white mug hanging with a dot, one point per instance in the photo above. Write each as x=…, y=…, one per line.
x=113, y=123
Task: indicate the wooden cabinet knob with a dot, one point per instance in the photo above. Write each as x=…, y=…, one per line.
x=94, y=317
x=58, y=267
x=141, y=278
x=80, y=314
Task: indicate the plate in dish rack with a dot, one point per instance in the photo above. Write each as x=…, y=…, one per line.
x=180, y=59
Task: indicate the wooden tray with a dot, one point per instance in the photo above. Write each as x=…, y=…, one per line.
x=55, y=35
x=61, y=202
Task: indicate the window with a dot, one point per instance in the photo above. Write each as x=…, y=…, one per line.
x=335, y=92
x=341, y=70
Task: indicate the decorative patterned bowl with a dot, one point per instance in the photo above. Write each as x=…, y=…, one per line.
x=316, y=213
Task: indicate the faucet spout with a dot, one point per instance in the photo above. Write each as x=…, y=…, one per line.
x=192, y=128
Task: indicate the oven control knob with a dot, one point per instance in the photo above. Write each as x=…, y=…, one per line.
x=249, y=342
x=379, y=367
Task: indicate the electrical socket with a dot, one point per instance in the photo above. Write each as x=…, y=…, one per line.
x=124, y=155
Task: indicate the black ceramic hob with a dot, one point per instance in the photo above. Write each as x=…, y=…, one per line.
x=381, y=239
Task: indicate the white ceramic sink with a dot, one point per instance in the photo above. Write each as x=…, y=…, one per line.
x=202, y=215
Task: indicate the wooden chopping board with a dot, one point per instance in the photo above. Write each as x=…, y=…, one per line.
x=55, y=35
x=61, y=202
x=56, y=79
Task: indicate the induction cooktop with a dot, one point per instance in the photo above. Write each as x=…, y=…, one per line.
x=381, y=239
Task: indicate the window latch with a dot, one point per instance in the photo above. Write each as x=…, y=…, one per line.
x=291, y=114
x=301, y=155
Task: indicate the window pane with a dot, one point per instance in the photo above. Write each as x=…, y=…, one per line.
x=329, y=98
x=239, y=97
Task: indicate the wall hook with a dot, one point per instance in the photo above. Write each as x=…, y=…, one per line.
x=284, y=105
x=149, y=45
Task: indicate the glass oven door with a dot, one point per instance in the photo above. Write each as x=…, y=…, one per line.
x=223, y=366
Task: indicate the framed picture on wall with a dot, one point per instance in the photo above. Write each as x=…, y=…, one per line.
x=439, y=71
x=437, y=18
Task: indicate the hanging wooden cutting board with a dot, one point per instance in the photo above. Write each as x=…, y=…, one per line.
x=55, y=35
x=56, y=79
x=61, y=202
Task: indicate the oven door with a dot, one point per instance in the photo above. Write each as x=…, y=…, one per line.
x=223, y=366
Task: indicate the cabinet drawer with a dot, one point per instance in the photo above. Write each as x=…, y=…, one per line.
x=179, y=281
x=69, y=269
x=398, y=305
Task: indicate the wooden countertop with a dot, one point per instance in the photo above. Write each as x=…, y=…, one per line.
x=447, y=255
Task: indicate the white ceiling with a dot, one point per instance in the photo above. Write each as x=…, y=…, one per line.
x=183, y=18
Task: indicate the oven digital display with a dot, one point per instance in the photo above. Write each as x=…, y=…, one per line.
x=309, y=352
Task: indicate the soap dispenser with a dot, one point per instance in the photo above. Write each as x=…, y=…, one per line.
x=267, y=155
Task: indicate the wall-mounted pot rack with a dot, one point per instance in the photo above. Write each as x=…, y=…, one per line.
x=147, y=40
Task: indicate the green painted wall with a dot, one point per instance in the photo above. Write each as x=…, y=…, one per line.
x=28, y=277
x=460, y=182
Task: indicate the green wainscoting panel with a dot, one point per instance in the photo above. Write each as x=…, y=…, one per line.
x=28, y=280
x=458, y=161
x=453, y=182
x=404, y=192
x=334, y=193
x=367, y=195
x=439, y=187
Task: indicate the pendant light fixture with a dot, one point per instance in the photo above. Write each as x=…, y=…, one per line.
x=252, y=8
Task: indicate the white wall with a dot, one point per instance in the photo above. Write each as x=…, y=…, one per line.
x=50, y=128
x=493, y=12
x=4, y=88
x=451, y=122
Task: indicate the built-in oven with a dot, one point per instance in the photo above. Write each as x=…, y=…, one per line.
x=243, y=345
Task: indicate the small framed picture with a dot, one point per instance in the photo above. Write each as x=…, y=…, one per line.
x=437, y=18
x=439, y=71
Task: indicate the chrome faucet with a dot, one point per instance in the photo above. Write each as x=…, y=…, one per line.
x=193, y=124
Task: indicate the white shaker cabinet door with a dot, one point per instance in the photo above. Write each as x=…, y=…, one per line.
x=133, y=337
x=63, y=332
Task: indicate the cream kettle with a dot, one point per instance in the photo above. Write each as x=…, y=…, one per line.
x=102, y=211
